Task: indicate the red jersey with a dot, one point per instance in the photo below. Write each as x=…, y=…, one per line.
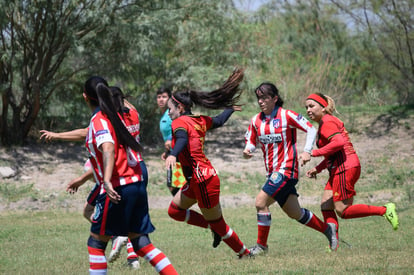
x=126, y=169
x=277, y=137
x=335, y=145
x=193, y=154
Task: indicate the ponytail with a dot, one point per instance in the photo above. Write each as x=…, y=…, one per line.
x=106, y=103
x=224, y=97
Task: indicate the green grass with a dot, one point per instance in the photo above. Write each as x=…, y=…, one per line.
x=54, y=242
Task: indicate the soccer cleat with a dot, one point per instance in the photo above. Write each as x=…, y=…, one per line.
x=391, y=215
x=330, y=233
x=134, y=263
x=258, y=249
x=245, y=255
x=117, y=244
x=216, y=239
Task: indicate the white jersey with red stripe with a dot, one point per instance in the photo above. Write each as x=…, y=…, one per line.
x=126, y=169
x=277, y=137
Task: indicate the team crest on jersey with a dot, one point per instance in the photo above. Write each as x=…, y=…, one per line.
x=299, y=117
x=275, y=177
x=276, y=123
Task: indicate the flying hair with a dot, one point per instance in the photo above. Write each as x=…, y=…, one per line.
x=224, y=97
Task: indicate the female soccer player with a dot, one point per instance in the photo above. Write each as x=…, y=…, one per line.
x=122, y=207
x=343, y=165
x=275, y=130
x=79, y=135
x=203, y=184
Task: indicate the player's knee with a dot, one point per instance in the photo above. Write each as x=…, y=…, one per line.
x=140, y=242
x=88, y=212
x=95, y=243
x=176, y=212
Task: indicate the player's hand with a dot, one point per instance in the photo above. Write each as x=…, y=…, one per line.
x=170, y=161
x=111, y=193
x=247, y=154
x=47, y=135
x=237, y=108
x=304, y=158
x=312, y=173
x=73, y=186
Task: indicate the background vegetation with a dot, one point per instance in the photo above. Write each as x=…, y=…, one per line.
x=359, y=52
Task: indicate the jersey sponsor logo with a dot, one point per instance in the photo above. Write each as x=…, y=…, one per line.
x=101, y=132
x=299, y=117
x=202, y=128
x=272, y=138
x=276, y=123
x=133, y=128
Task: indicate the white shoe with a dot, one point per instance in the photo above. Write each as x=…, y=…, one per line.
x=133, y=263
x=117, y=244
x=258, y=249
x=330, y=233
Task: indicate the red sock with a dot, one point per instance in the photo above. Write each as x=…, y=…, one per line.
x=363, y=210
x=329, y=216
x=97, y=261
x=130, y=251
x=311, y=220
x=157, y=259
x=228, y=235
x=263, y=227
x=186, y=215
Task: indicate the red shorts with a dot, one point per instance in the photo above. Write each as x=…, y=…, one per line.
x=207, y=193
x=342, y=184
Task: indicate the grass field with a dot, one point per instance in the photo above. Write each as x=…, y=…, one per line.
x=54, y=242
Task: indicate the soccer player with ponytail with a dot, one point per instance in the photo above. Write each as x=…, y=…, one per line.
x=342, y=162
x=203, y=183
x=122, y=206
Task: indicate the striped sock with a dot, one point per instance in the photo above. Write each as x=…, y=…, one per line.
x=311, y=220
x=97, y=260
x=130, y=251
x=157, y=259
x=228, y=235
x=264, y=221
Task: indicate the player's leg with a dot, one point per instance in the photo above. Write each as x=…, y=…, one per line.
x=208, y=198
x=179, y=209
x=264, y=220
x=132, y=258
x=344, y=191
x=228, y=235
x=292, y=208
x=96, y=249
x=145, y=249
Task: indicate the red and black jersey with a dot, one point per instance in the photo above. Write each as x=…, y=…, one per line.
x=127, y=169
x=192, y=156
x=276, y=135
x=335, y=145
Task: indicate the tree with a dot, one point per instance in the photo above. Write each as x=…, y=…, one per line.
x=50, y=45
x=36, y=38
x=389, y=26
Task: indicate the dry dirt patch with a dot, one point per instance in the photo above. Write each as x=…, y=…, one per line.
x=49, y=167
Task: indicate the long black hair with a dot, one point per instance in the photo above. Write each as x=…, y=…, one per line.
x=269, y=89
x=224, y=97
x=103, y=96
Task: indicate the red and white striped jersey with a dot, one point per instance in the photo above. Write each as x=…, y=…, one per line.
x=127, y=169
x=277, y=137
